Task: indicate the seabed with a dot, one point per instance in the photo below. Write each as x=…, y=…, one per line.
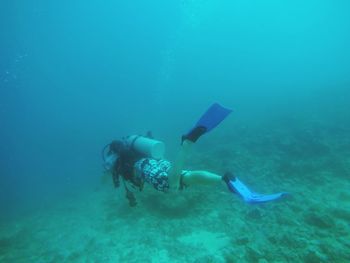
x=204, y=224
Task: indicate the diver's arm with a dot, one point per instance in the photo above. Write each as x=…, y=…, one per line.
x=175, y=172
x=115, y=176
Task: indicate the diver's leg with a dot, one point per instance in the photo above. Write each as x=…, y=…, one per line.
x=201, y=177
x=207, y=178
x=175, y=172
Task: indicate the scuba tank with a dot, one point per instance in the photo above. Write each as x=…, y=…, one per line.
x=146, y=146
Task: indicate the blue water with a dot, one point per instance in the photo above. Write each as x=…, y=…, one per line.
x=76, y=74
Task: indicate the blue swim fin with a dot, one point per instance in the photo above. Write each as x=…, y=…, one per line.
x=248, y=196
x=208, y=121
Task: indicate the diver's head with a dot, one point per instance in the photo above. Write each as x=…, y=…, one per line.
x=116, y=146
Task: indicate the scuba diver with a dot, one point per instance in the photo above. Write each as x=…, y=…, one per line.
x=138, y=159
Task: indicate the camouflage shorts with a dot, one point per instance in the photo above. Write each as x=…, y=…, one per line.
x=154, y=172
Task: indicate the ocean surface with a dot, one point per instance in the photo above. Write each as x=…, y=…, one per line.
x=75, y=75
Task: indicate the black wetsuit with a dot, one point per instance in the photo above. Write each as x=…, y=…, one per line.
x=124, y=166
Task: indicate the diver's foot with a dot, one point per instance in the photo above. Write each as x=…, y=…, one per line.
x=229, y=176
x=194, y=135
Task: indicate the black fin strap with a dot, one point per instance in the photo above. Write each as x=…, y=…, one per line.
x=194, y=134
x=182, y=185
x=133, y=142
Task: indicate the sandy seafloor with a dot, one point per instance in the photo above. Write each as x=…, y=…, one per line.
x=206, y=224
